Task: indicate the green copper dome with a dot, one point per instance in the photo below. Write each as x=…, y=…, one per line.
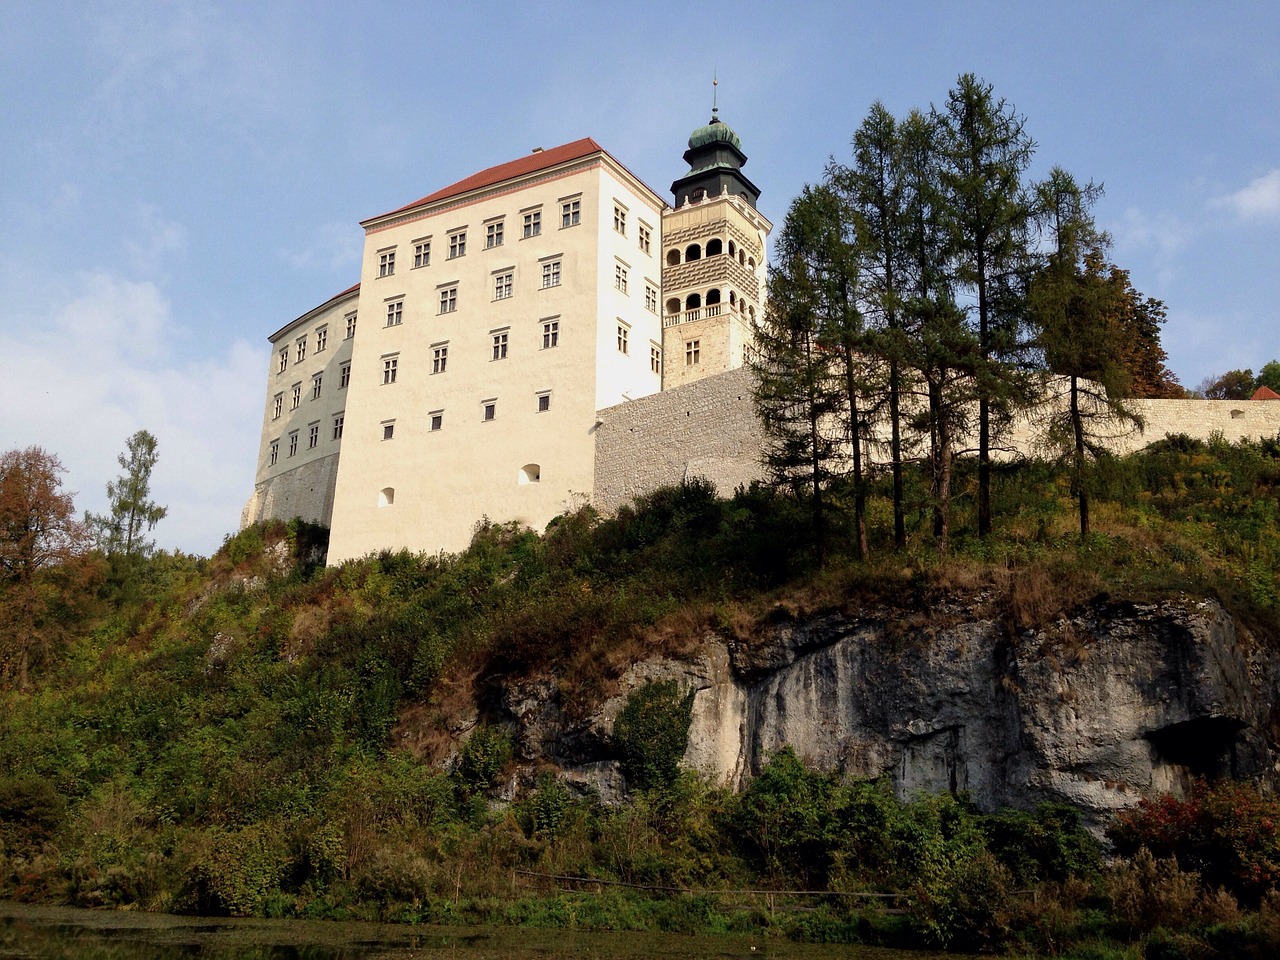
x=714, y=132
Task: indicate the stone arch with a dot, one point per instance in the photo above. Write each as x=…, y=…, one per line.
x=693, y=301
x=733, y=248
x=715, y=247
x=673, y=306
x=673, y=257
x=529, y=473
x=751, y=263
x=692, y=252
x=742, y=257
x=386, y=496
x=713, y=296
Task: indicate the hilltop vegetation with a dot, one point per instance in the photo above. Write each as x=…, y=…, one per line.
x=256, y=734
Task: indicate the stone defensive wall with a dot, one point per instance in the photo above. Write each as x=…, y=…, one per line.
x=705, y=429
x=709, y=429
x=305, y=491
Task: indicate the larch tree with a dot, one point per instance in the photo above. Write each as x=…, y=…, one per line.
x=1077, y=311
x=985, y=151
x=122, y=532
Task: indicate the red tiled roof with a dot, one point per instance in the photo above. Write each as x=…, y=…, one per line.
x=530, y=163
x=1265, y=393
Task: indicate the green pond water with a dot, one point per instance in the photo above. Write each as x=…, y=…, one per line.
x=60, y=932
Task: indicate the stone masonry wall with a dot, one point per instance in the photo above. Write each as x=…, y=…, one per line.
x=306, y=492
x=704, y=429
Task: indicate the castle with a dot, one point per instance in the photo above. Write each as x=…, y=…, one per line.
x=542, y=332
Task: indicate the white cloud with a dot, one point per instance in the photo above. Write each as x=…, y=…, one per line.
x=1260, y=200
x=337, y=245
x=160, y=238
x=1161, y=238
x=82, y=376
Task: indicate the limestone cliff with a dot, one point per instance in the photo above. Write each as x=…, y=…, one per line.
x=1118, y=701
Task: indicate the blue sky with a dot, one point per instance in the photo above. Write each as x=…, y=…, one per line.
x=178, y=180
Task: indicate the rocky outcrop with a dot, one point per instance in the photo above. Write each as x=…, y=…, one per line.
x=1113, y=703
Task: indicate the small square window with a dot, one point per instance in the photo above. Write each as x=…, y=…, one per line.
x=351, y=326
x=620, y=219
x=645, y=238
x=532, y=224
x=499, y=346
x=421, y=253
x=277, y=406
x=437, y=419
x=490, y=409
x=313, y=436
x=386, y=263
x=322, y=339
x=502, y=284
x=624, y=335
x=570, y=213
x=550, y=334
x=544, y=402
x=337, y=427
x=448, y=299
x=315, y=386
x=389, y=430
x=493, y=235
x=390, y=367
x=296, y=397
x=275, y=453
x=551, y=274
x=344, y=376
x=440, y=358
x=395, y=312
x=457, y=245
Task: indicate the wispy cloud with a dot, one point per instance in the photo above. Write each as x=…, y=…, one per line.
x=92, y=365
x=1161, y=237
x=330, y=246
x=1259, y=200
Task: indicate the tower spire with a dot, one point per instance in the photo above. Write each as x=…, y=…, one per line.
x=715, y=96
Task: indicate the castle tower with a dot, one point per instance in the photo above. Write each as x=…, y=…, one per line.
x=713, y=260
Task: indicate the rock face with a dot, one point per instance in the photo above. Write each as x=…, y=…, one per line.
x=1117, y=702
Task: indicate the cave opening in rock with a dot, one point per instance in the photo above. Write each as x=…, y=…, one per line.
x=1206, y=746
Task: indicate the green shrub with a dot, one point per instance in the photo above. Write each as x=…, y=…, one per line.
x=482, y=759
x=651, y=734
x=31, y=810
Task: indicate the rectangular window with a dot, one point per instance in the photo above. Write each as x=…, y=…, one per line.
x=313, y=436
x=551, y=274
x=620, y=277
x=544, y=401
x=490, y=409
x=645, y=238
x=532, y=224
x=351, y=326
x=493, y=235
x=448, y=299
x=440, y=358
x=437, y=419
x=457, y=244
x=620, y=219
x=499, y=346
x=389, y=369
x=624, y=335
x=337, y=426
x=315, y=386
x=395, y=311
x=502, y=285
x=302, y=350
x=570, y=213
x=386, y=263
x=344, y=375
x=550, y=333
x=692, y=352
x=277, y=406
x=421, y=253
x=283, y=365
x=275, y=453
x=296, y=398
x=650, y=298
x=388, y=429
x=655, y=359
x=293, y=443
x=322, y=339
